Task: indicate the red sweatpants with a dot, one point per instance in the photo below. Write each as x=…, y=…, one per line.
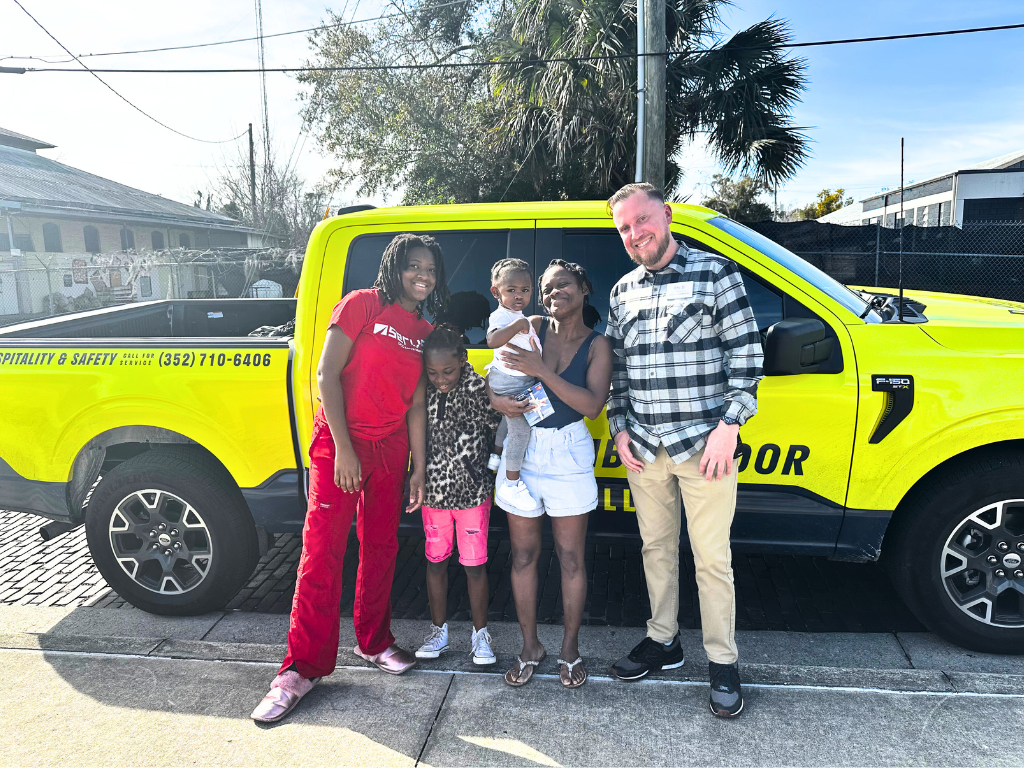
x=316, y=608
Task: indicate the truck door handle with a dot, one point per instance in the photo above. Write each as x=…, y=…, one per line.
x=899, y=402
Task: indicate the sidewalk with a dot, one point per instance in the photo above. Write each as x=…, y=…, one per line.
x=904, y=661
x=122, y=687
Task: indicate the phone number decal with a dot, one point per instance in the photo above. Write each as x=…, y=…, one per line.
x=212, y=359
x=161, y=359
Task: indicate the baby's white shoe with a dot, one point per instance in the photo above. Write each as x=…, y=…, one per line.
x=515, y=495
x=494, y=462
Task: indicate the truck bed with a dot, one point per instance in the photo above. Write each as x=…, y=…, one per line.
x=85, y=390
x=170, y=319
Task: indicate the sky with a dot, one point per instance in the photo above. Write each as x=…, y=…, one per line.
x=957, y=100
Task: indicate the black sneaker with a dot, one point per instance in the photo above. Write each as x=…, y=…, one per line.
x=726, y=693
x=649, y=656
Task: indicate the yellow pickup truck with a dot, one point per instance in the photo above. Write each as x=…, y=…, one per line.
x=180, y=440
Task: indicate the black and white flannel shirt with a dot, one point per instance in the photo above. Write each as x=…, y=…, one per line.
x=687, y=353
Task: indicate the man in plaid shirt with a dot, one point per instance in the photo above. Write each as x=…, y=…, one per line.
x=687, y=360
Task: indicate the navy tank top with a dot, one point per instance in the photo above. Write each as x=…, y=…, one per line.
x=575, y=373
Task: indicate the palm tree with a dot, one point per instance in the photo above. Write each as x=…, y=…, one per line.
x=571, y=125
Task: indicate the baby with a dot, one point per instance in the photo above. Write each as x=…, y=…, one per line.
x=511, y=285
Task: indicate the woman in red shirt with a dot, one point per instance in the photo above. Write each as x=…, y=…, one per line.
x=373, y=414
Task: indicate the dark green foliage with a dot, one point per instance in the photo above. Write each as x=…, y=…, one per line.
x=562, y=130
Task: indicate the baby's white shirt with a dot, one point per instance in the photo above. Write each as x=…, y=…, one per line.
x=503, y=317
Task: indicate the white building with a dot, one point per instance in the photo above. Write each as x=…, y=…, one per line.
x=992, y=191
x=65, y=233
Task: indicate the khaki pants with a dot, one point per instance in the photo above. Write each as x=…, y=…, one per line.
x=709, y=511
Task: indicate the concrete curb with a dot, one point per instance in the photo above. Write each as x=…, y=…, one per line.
x=901, y=680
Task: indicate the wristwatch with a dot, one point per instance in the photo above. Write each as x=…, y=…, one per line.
x=730, y=420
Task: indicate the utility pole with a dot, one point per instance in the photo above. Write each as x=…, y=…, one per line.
x=654, y=86
x=252, y=175
x=641, y=61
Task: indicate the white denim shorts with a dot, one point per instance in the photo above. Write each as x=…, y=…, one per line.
x=559, y=471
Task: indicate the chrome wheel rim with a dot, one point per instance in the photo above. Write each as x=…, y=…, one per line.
x=160, y=542
x=982, y=564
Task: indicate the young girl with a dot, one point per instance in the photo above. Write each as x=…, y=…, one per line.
x=373, y=414
x=460, y=428
x=511, y=285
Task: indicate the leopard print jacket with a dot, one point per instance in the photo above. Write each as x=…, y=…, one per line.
x=459, y=445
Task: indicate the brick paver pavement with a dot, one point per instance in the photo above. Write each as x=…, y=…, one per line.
x=774, y=592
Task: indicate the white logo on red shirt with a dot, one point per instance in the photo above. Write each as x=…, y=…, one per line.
x=383, y=329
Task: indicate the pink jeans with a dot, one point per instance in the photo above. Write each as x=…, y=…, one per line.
x=440, y=526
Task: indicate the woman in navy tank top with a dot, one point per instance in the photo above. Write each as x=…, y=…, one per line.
x=576, y=370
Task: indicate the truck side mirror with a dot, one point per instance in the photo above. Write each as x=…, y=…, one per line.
x=796, y=346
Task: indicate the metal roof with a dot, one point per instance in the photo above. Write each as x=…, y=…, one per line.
x=995, y=164
x=46, y=186
x=21, y=141
x=998, y=163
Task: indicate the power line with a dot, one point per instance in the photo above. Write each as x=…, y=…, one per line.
x=318, y=28
x=906, y=36
x=113, y=90
x=506, y=62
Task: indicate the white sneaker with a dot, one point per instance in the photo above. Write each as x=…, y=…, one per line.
x=494, y=462
x=435, y=644
x=482, y=653
x=516, y=496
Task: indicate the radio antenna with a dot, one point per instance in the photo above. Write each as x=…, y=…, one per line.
x=901, y=229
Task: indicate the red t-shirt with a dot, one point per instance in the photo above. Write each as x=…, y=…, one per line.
x=384, y=366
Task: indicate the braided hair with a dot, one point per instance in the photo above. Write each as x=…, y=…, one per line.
x=576, y=271
x=446, y=337
x=509, y=266
x=396, y=260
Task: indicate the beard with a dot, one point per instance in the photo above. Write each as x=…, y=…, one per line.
x=652, y=257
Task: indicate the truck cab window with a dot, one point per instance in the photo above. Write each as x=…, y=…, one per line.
x=602, y=254
x=468, y=258
x=765, y=302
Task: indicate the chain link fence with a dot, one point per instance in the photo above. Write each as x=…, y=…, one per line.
x=34, y=286
x=982, y=259
x=985, y=259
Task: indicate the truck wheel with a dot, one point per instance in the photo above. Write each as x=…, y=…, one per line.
x=171, y=533
x=957, y=552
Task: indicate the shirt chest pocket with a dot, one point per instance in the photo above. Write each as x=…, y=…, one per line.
x=683, y=322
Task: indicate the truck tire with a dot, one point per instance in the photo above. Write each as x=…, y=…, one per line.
x=957, y=549
x=170, y=532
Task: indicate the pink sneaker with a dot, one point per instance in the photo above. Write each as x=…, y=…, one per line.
x=393, y=660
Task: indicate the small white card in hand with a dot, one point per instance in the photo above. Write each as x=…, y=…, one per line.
x=540, y=405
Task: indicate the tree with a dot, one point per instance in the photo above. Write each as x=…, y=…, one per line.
x=530, y=130
x=581, y=114
x=285, y=207
x=828, y=201
x=424, y=130
x=738, y=199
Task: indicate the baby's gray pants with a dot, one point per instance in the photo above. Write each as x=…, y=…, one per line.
x=517, y=428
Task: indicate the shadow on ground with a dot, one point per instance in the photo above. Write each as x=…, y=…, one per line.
x=773, y=592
